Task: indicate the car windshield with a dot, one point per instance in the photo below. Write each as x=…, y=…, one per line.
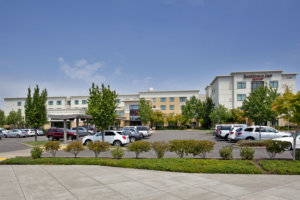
x=225, y=128
x=143, y=128
x=99, y=134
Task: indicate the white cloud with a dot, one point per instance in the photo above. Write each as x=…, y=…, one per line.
x=82, y=70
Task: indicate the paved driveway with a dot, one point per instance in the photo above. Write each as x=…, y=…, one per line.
x=99, y=182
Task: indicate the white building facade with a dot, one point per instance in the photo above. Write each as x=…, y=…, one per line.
x=233, y=89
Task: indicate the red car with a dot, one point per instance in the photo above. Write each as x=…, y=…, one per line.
x=58, y=133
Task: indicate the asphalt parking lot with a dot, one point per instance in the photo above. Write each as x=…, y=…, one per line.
x=14, y=144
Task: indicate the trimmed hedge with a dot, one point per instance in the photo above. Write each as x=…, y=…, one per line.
x=139, y=147
x=251, y=143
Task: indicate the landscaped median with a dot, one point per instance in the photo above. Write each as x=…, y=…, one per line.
x=166, y=164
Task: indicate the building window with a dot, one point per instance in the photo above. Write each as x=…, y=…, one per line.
x=289, y=77
x=50, y=103
x=154, y=106
x=154, y=100
x=182, y=99
x=19, y=103
x=58, y=102
x=172, y=107
x=163, y=107
x=118, y=101
x=171, y=99
x=241, y=97
x=241, y=85
x=274, y=84
x=162, y=99
x=83, y=102
x=69, y=103
x=134, y=107
x=256, y=84
x=76, y=102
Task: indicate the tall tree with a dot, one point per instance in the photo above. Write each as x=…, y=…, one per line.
x=35, y=109
x=2, y=118
x=158, y=118
x=172, y=121
x=288, y=106
x=145, y=111
x=208, y=107
x=237, y=115
x=193, y=110
x=220, y=114
x=181, y=120
x=102, y=105
x=258, y=105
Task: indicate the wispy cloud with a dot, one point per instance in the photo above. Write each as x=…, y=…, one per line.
x=82, y=70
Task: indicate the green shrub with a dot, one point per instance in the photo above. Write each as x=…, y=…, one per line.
x=52, y=147
x=297, y=154
x=139, y=147
x=247, y=153
x=160, y=147
x=181, y=147
x=74, y=148
x=226, y=153
x=36, y=152
x=273, y=147
x=98, y=146
x=117, y=153
x=201, y=147
x=251, y=143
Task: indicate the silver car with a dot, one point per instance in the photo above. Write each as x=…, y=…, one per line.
x=15, y=133
x=267, y=133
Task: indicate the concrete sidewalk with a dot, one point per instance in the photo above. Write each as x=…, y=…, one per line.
x=99, y=182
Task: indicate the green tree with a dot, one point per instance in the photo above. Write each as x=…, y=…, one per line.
x=181, y=120
x=237, y=115
x=145, y=111
x=2, y=118
x=172, y=121
x=193, y=110
x=14, y=118
x=102, y=105
x=158, y=118
x=35, y=109
x=258, y=105
x=220, y=114
x=208, y=106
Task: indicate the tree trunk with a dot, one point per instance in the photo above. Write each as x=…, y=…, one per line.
x=294, y=141
x=102, y=135
x=259, y=136
x=35, y=134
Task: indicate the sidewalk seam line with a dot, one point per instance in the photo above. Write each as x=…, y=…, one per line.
x=18, y=182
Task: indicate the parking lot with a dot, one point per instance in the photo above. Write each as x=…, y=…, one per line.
x=15, y=144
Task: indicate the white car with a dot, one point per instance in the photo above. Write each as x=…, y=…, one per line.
x=112, y=137
x=15, y=133
x=225, y=129
x=30, y=132
x=291, y=141
x=3, y=130
x=232, y=134
x=252, y=133
x=145, y=130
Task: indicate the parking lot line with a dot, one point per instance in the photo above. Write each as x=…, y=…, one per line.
x=2, y=159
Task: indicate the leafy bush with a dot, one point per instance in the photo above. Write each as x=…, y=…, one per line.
x=201, y=147
x=297, y=154
x=74, y=148
x=160, y=147
x=117, y=153
x=139, y=147
x=98, y=146
x=52, y=147
x=226, y=153
x=251, y=143
x=273, y=147
x=180, y=147
x=36, y=152
x=247, y=153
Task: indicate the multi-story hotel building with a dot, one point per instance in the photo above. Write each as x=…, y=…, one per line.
x=233, y=89
x=127, y=110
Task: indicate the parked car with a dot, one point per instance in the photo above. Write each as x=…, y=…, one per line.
x=217, y=126
x=267, y=133
x=15, y=133
x=82, y=131
x=58, y=133
x=145, y=130
x=40, y=132
x=232, y=134
x=30, y=132
x=291, y=141
x=3, y=130
x=224, y=130
x=112, y=137
x=91, y=129
x=1, y=134
x=133, y=134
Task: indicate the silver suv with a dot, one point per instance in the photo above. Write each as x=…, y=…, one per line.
x=252, y=133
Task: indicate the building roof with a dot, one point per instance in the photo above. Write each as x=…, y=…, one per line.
x=170, y=91
x=266, y=71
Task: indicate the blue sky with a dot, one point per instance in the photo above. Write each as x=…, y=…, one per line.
x=65, y=45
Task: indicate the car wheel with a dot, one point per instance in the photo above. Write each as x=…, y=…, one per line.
x=290, y=147
x=50, y=138
x=18, y=136
x=87, y=142
x=226, y=137
x=132, y=139
x=70, y=137
x=249, y=138
x=143, y=136
x=117, y=143
x=5, y=136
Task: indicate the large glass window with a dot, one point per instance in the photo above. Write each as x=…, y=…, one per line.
x=118, y=101
x=274, y=84
x=58, y=102
x=162, y=99
x=76, y=102
x=182, y=99
x=83, y=102
x=68, y=102
x=50, y=103
x=241, y=97
x=134, y=107
x=19, y=103
x=163, y=107
x=154, y=99
x=256, y=84
x=241, y=85
x=171, y=99
x=172, y=107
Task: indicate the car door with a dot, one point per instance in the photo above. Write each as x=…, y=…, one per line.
x=271, y=133
x=15, y=132
x=109, y=137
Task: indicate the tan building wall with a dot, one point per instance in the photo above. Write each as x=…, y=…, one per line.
x=168, y=103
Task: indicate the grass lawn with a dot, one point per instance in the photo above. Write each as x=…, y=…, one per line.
x=166, y=164
x=281, y=166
